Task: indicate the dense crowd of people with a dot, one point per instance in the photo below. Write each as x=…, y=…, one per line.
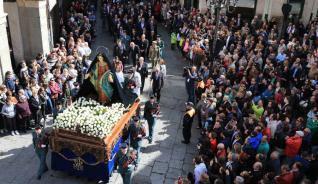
x=48, y=84
x=254, y=95
x=251, y=93
x=134, y=29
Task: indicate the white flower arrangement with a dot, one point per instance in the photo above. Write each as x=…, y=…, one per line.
x=90, y=117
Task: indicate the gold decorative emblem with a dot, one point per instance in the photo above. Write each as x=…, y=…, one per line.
x=78, y=164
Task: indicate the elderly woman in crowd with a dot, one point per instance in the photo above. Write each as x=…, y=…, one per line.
x=23, y=113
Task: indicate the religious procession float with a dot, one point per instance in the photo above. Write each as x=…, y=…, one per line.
x=87, y=135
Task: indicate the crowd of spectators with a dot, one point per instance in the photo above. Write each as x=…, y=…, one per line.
x=48, y=84
x=255, y=96
x=133, y=26
x=255, y=93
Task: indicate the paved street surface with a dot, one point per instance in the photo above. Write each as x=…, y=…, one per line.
x=161, y=162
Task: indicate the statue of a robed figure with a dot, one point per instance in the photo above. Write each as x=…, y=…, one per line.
x=101, y=84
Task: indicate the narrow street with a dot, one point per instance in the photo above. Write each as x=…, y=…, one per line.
x=161, y=162
x=166, y=158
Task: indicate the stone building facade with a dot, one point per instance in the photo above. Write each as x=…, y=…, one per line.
x=303, y=10
x=25, y=29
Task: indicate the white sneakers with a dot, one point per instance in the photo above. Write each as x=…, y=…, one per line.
x=14, y=133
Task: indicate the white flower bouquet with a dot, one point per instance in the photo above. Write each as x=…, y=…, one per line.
x=90, y=117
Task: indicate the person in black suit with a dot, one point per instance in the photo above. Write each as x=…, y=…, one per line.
x=134, y=37
x=143, y=45
x=133, y=53
x=238, y=22
x=296, y=70
x=141, y=25
x=187, y=122
x=142, y=68
x=220, y=43
x=157, y=83
x=120, y=52
x=152, y=26
x=35, y=107
x=40, y=143
x=151, y=111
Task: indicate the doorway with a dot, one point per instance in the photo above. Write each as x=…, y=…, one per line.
x=13, y=62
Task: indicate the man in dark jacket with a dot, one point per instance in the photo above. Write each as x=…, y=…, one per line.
x=137, y=133
x=187, y=122
x=312, y=168
x=40, y=143
x=151, y=111
x=157, y=83
x=143, y=45
x=120, y=52
x=35, y=106
x=133, y=53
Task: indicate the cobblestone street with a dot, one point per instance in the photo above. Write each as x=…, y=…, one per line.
x=161, y=162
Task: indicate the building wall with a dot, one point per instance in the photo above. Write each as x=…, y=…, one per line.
x=5, y=60
x=274, y=9
x=310, y=6
x=203, y=6
x=15, y=30
x=34, y=25
x=30, y=27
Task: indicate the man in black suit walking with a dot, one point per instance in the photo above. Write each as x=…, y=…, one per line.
x=143, y=45
x=157, y=83
x=133, y=53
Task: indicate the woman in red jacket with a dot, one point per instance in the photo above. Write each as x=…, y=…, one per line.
x=55, y=91
x=292, y=145
x=157, y=9
x=213, y=141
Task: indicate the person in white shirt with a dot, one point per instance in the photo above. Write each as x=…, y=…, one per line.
x=47, y=75
x=81, y=49
x=87, y=50
x=163, y=68
x=199, y=169
x=72, y=71
x=137, y=79
x=120, y=74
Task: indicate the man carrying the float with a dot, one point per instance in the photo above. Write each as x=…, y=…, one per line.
x=126, y=160
x=137, y=132
x=151, y=112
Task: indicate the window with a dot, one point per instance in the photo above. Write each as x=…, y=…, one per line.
x=297, y=7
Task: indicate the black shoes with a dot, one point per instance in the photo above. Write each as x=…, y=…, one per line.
x=185, y=142
x=149, y=140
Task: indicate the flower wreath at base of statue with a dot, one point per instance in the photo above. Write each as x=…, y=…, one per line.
x=90, y=117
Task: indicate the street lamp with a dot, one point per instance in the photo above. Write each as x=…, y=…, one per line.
x=216, y=6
